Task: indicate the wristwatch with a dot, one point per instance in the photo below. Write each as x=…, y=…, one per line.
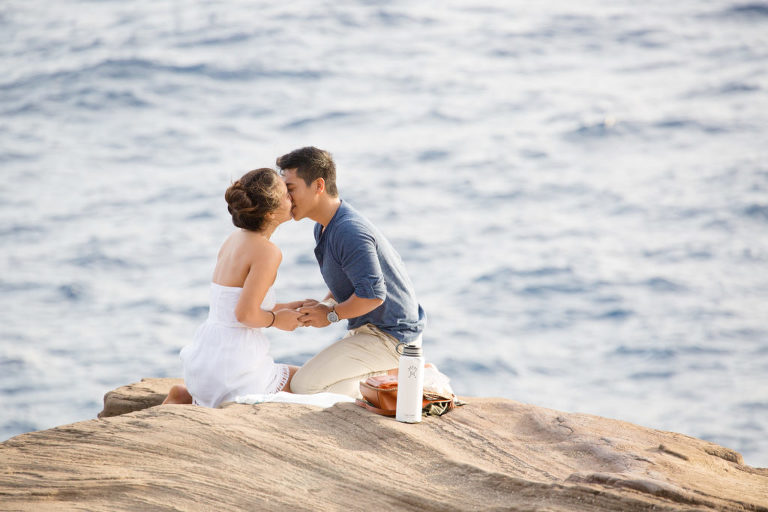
x=332, y=316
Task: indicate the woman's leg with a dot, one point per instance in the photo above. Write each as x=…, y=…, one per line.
x=339, y=368
x=178, y=395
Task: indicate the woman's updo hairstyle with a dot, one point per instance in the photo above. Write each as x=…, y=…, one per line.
x=252, y=197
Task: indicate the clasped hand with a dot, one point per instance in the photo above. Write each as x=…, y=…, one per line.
x=306, y=313
x=313, y=314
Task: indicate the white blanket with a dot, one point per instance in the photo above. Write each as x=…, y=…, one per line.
x=319, y=399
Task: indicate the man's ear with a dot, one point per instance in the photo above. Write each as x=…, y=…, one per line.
x=320, y=184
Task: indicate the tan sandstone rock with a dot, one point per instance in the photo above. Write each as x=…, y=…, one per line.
x=491, y=454
x=136, y=396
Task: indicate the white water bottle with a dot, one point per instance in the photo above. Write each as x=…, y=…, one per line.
x=410, y=384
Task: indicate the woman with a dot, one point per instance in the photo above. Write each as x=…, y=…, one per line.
x=229, y=355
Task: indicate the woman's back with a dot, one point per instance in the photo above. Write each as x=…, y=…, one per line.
x=236, y=255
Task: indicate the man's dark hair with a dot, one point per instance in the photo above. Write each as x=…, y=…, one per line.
x=311, y=163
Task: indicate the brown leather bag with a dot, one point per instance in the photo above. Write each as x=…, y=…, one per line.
x=380, y=396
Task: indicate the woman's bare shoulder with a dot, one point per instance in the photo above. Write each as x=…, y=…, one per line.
x=260, y=248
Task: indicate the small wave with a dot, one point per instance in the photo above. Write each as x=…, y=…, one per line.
x=757, y=211
x=296, y=359
x=201, y=215
x=20, y=388
x=6, y=287
x=451, y=366
x=725, y=89
x=505, y=272
x=323, y=118
x=752, y=406
x=660, y=284
x=15, y=156
x=305, y=259
x=651, y=375
x=649, y=353
x=748, y=10
x=98, y=260
x=678, y=254
x=90, y=98
x=611, y=128
x=145, y=305
x=185, y=195
x=606, y=128
x=72, y=292
x=15, y=427
x=688, y=124
x=533, y=154
x=21, y=229
x=616, y=314
x=644, y=38
x=556, y=288
x=701, y=350
x=432, y=155
x=392, y=18
x=504, y=53
x=12, y=364
x=140, y=69
x=22, y=109
x=439, y=115
x=196, y=312
x=747, y=333
x=239, y=37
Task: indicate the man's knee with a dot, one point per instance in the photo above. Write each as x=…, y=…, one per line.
x=304, y=383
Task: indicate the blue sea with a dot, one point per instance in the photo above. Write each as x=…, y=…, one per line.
x=579, y=191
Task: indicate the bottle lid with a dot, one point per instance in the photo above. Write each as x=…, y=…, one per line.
x=409, y=350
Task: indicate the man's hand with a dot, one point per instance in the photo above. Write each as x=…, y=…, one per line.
x=314, y=315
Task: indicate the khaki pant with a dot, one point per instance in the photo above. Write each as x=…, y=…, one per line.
x=340, y=367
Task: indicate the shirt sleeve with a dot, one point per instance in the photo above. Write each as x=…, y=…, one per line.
x=360, y=263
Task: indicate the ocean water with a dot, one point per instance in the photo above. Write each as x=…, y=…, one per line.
x=578, y=189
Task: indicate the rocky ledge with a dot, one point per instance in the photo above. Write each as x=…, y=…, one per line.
x=491, y=454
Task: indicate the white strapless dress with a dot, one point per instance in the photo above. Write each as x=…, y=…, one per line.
x=227, y=358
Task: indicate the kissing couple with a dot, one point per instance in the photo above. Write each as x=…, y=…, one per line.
x=368, y=287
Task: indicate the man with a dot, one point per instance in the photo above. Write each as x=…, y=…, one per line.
x=367, y=281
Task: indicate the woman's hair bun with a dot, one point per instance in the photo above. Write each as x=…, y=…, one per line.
x=252, y=197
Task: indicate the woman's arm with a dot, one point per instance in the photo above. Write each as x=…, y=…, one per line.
x=261, y=275
x=329, y=300
x=289, y=305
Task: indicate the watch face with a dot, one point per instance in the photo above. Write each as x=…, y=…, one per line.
x=333, y=317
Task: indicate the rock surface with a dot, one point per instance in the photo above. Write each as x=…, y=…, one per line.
x=491, y=454
x=136, y=396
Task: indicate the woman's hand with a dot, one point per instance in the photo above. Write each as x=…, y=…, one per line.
x=286, y=319
x=295, y=304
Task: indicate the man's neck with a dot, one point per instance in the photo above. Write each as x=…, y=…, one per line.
x=326, y=210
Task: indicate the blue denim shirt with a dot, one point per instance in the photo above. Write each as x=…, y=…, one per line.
x=355, y=258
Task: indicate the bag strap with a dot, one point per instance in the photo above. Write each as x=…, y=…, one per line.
x=370, y=407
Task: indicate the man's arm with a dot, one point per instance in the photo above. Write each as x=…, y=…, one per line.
x=317, y=315
x=359, y=262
